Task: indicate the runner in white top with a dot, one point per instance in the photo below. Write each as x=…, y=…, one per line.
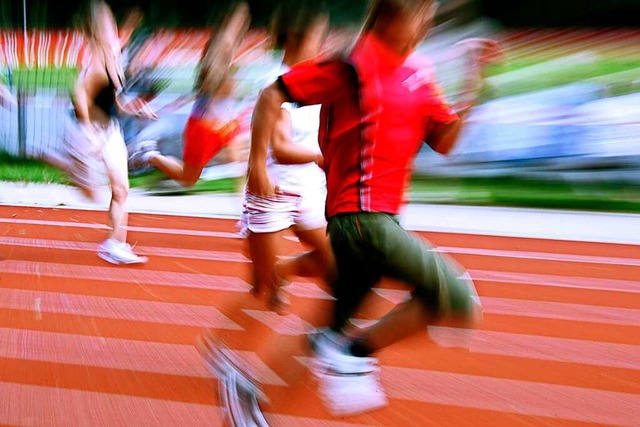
x=93, y=140
x=294, y=160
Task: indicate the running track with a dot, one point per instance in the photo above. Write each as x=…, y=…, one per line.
x=84, y=343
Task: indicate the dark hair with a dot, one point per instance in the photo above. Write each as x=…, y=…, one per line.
x=292, y=18
x=390, y=8
x=217, y=55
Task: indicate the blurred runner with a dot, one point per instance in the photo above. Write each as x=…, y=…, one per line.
x=293, y=165
x=214, y=122
x=93, y=139
x=7, y=99
x=379, y=103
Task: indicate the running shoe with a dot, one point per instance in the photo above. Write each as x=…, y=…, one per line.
x=348, y=384
x=240, y=393
x=351, y=385
x=119, y=253
x=279, y=300
x=140, y=153
x=325, y=343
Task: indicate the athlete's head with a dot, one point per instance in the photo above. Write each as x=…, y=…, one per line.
x=130, y=23
x=220, y=49
x=299, y=27
x=102, y=26
x=401, y=24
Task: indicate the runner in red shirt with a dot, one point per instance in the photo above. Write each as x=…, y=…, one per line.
x=379, y=104
x=213, y=124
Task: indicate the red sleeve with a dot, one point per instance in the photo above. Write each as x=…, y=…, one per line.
x=439, y=110
x=315, y=83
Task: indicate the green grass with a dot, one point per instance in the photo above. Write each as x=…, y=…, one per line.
x=520, y=192
x=620, y=73
x=150, y=181
x=61, y=79
x=516, y=192
x=15, y=169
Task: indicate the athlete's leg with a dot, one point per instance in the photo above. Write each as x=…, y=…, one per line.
x=115, y=160
x=441, y=288
x=318, y=262
x=263, y=248
x=185, y=174
x=264, y=219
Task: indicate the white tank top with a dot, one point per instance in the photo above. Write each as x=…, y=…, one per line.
x=305, y=122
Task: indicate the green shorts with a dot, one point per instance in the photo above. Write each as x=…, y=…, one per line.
x=369, y=246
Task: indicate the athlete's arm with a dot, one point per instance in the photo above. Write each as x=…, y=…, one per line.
x=284, y=150
x=138, y=107
x=265, y=115
x=307, y=85
x=443, y=138
x=6, y=97
x=82, y=101
x=480, y=52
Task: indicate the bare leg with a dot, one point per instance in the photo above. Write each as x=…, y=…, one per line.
x=403, y=321
x=117, y=208
x=264, y=254
x=115, y=160
x=186, y=175
x=318, y=262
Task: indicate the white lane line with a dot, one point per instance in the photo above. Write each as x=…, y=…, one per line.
x=116, y=308
x=545, y=256
x=149, y=277
x=575, y=282
x=127, y=275
x=100, y=226
x=512, y=396
x=142, y=250
x=541, y=309
x=54, y=406
x=562, y=311
x=290, y=325
x=498, y=253
x=567, y=350
x=116, y=353
x=508, y=395
x=586, y=313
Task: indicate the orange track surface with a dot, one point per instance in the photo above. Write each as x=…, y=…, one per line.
x=85, y=343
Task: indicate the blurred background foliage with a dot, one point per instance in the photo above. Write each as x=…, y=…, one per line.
x=169, y=13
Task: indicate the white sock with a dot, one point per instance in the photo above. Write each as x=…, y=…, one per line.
x=146, y=156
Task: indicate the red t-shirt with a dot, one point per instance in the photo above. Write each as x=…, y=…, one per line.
x=377, y=109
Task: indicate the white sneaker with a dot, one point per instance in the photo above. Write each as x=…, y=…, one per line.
x=351, y=385
x=348, y=384
x=325, y=343
x=240, y=404
x=119, y=253
x=240, y=394
x=140, y=153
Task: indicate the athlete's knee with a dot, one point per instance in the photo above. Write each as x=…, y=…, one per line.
x=190, y=175
x=119, y=192
x=188, y=181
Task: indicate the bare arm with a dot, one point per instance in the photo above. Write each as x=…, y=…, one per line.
x=284, y=150
x=444, y=137
x=6, y=97
x=480, y=52
x=265, y=115
x=138, y=107
x=81, y=98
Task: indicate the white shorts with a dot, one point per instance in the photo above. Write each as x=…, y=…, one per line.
x=95, y=154
x=281, y=211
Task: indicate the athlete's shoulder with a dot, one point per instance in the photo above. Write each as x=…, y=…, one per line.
x=421, y=63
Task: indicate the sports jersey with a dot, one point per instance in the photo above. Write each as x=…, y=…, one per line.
x=211, y=127
x=377, y=110
x=299, y=178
